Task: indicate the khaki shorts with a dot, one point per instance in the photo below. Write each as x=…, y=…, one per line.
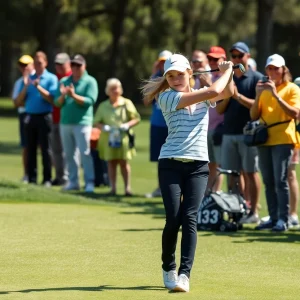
x=237, y=156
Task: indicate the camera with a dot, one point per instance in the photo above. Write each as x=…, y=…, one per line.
x=265, y=79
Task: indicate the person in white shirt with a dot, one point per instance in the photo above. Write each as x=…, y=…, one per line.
x=183, y=160
x=25, y=65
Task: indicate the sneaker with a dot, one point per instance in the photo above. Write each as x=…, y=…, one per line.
x=265, y=219
x=170, y=279
x=183, y=284
x=293, y=221
x=71, y=187
x=57, y=182
x=25, y=179
x=251, y=218
x=266, y=225
x=280, y=226
x=154, y=194
x=89, y=188
x=47, y=184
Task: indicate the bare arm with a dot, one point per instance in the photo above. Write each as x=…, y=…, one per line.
x=20, y=100
x=213, y=93
x=291, y=111
x=45, y=94
x=255, y=112
x=222, y=106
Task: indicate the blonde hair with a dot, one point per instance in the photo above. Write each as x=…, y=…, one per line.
x=113, y=82
x=151, y=88
x=286, y=76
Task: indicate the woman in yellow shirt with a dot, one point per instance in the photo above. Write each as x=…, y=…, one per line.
x=115, y=117
x=277, y=100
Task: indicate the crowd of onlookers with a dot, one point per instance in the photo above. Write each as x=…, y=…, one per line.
x=56, y=114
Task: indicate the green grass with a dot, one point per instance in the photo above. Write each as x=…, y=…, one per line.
x=68, y=246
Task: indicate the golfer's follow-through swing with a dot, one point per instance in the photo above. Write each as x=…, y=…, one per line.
x=183, y=161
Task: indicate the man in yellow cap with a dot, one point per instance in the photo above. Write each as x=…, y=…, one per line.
x=25, y=65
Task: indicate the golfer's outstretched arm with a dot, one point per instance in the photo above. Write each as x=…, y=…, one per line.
x=213, y=93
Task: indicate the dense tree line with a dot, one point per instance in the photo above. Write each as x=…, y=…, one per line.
x=122, y=38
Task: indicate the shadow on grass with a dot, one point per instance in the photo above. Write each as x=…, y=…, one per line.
x=10, y=148
x=100, y=288
x=251, y=235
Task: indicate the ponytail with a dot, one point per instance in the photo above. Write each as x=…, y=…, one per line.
x=152, y=87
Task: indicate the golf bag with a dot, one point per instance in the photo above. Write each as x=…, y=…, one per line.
x=221, y=211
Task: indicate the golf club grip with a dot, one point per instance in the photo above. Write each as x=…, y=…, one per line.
x=239, y=66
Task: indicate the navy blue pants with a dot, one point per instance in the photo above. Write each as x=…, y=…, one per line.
x=177, y=179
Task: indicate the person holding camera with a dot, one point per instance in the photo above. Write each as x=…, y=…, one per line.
x=277, y=101
x=115, y=117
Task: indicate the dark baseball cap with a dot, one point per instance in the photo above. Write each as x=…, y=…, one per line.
x=78, y=59
x=240, y=46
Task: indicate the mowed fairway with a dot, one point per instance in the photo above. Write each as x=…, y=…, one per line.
x=68, y=246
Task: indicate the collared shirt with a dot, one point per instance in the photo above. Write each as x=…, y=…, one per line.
x=56, y=110
x=237, y=115
x=271, y=113
x=16, y=90
x=187, y=128
x=34, y=102
x=73, y=113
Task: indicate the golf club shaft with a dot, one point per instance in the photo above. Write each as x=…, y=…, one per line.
x=239, y=66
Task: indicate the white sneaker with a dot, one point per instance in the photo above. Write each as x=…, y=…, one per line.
x=170, y=279
x=156, y=193
x=89, y=188
x=47, y=184
x=265, y=219
x=293, y=221
x=251, y=218
x=71, y=187
x=183, y=284
x=25, y=179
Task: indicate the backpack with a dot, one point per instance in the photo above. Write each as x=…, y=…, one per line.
x=222, y=211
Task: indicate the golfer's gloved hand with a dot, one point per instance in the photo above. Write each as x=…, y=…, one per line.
x=106, y=128
x=124, y=127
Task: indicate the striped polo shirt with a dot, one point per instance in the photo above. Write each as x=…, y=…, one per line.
x=187, y=128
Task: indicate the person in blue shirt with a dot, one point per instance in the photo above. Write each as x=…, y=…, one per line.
x=37, y=92
x=158, y=126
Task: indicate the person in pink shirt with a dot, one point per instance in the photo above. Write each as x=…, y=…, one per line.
x=215, y=56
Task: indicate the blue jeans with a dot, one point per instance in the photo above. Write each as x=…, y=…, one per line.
x=78, y=137
x=274, y=162
x=176, y=179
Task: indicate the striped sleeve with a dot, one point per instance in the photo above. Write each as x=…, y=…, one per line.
x=169, y=100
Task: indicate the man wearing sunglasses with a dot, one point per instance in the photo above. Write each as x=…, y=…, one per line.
x=37, y=93
x=25, y=65
x=76, y=96
x=62, y=69
x=235, y=154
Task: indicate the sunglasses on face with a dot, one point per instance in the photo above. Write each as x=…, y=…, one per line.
x=238, y=55
x=273, y=68
x=74, y=65
x=213, y=59
x=57, y=64
x=194, y=61
x=23, y=65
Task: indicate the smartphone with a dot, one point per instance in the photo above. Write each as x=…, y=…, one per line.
x=265, y=79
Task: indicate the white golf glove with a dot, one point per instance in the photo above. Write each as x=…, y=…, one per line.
x=106, y=128
x=124, y=127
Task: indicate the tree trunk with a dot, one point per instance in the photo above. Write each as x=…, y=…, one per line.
x=117, y=30
x=6, y=65
x=264, y=33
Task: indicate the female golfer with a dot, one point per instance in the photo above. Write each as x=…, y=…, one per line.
x=183, y=160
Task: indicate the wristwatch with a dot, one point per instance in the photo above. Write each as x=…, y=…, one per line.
x=239, y=97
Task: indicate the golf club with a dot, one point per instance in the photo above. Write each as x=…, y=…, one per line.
x=239, y=66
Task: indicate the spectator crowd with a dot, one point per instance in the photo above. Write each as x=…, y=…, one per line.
x=56, y=115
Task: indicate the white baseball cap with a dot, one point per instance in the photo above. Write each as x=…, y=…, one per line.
x=275, y=60
x=163, y=55
x=176, y=62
